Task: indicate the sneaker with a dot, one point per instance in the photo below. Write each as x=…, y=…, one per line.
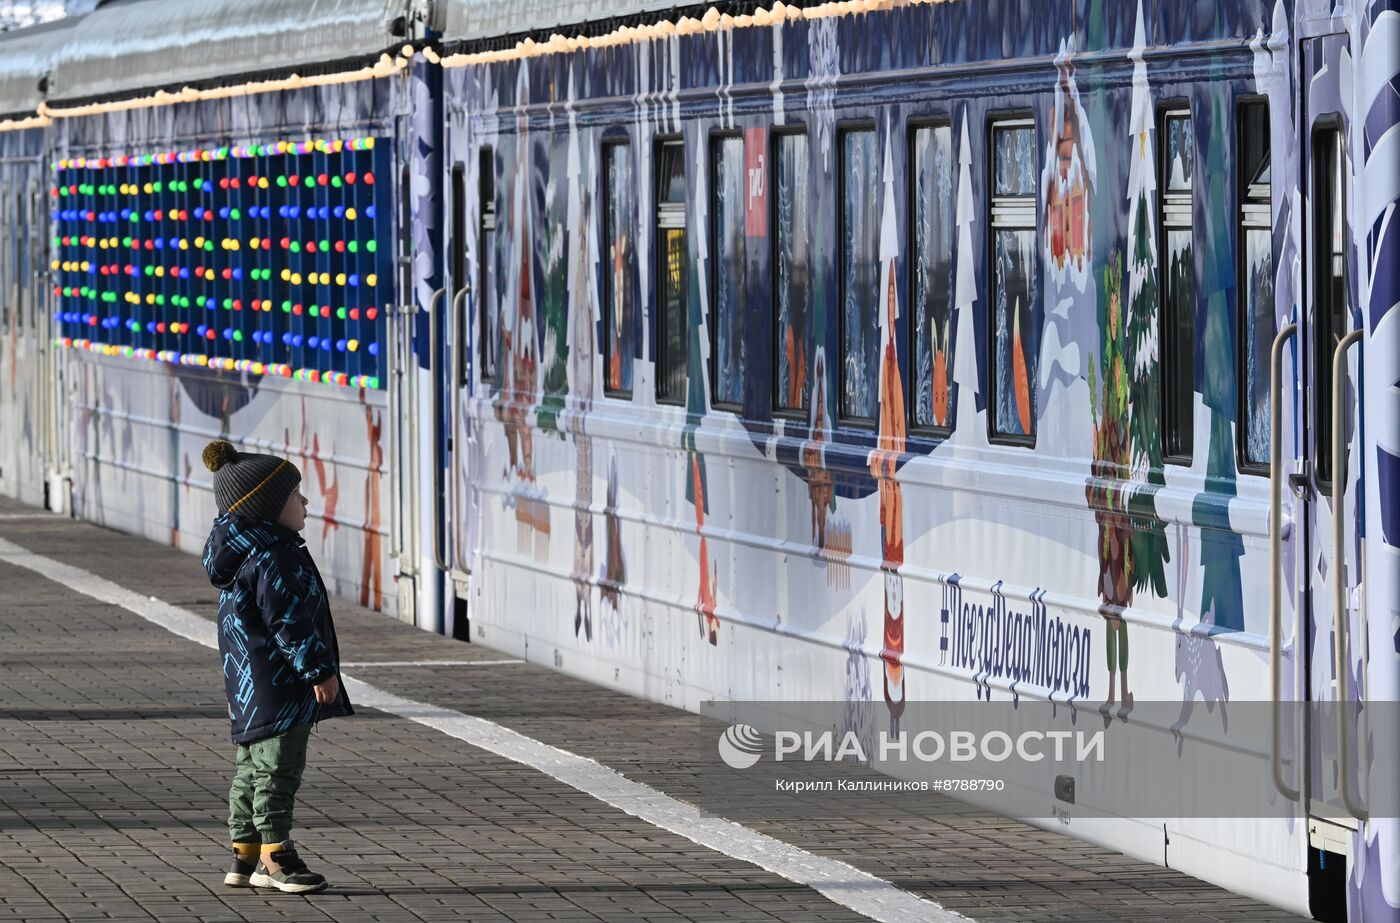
x=288, y=874
x=239, y=872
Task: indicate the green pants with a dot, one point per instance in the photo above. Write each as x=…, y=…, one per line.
x=265, y=787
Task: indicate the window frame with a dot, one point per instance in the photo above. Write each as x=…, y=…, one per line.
x=1167, y=110
x=1313, y=280
x=911, y=385
x=1009, y=118
x=605, y=144
x=713, y=143
x=658, y=228
x=843, y=128
x=458, y=262
x=1241, y=184
x=486, y=228
x=775, y=135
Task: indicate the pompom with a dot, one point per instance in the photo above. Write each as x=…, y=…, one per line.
x=218, y=453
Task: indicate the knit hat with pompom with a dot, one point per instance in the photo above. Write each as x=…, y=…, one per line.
x=249, y=485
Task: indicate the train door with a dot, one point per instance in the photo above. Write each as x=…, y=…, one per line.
x=27, y=389
x=453, y=380
x=404, y=436
x=1329, y=635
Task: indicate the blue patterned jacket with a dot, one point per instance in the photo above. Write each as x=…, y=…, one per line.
x=276, y=637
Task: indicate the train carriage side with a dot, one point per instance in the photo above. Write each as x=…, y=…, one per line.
x=224, y=261
x=29, y=454
x=922, y=355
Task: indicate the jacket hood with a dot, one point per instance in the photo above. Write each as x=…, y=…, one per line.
x=233, y=540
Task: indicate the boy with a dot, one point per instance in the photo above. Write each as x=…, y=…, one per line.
x=280, y=659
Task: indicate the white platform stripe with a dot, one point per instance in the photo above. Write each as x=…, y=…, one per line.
x=838, y=881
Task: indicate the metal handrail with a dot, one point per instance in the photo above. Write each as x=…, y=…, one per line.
x=453, y=491
x=438, y=557
x=1339, y=621
x=1276, y=561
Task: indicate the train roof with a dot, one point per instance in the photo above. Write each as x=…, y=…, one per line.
x=26, y=57
x=473, y=21
x=126, y=46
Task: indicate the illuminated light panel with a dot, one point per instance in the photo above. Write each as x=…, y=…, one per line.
x=182, y=256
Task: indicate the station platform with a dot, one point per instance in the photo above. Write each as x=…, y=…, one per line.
x=469, y=786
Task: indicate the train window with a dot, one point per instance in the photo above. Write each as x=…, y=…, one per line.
x=1329, y=279
x=793, y=291
x=860, y=275
x=931, y=185
x=730, y=262
x=1015, y=344
x=488, y=271
x=1256, y=282
x=459, y=261
x=1178, y=334
x=619, y=298
x=672, y=259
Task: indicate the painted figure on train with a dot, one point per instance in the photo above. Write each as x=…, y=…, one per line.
x=884, y=463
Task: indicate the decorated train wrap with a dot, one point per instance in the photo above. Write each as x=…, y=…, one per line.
x=25, y=360
x=869, y=353
x=792, y=379
x=217, y=270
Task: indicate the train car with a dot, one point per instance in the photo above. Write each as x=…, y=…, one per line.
x=28, y=410
x=894, y=352
x=225, y=259
x=872, y=352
